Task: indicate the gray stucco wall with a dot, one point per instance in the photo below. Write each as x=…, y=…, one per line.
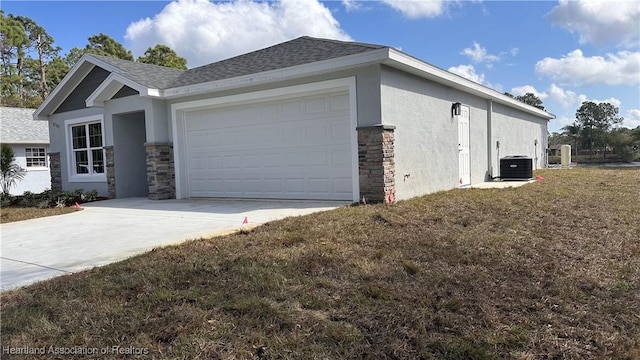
x=153, y=109
x=517, y=132
x=58, y=143
x=426, y=135
x=129, y=155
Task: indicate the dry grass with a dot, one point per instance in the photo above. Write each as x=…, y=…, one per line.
x=546, y=271
x=12, y=214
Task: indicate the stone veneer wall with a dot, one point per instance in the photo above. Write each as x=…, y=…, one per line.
x=56, y=171
x=376, y=163
x=160, y=171
x=111, y=171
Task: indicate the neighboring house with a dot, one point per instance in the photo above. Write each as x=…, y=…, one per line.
x=30, y=142
x=305, y=119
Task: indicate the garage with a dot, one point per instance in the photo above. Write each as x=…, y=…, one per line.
x=299, y=147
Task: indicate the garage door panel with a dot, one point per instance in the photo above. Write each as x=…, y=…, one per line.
x=316, y=105
x=339, y=102
x=214, y=163
x=292, y=149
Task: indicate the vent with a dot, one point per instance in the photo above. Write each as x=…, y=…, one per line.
x=516, y=168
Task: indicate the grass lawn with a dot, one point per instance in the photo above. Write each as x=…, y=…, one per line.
x=549, y=270
x=12, y=213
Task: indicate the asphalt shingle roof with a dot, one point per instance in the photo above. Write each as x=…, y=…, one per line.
x=17, y=126
x=303, y=50
x=151, y=76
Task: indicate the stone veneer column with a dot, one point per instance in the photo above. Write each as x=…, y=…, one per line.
x=160, y=171
x=111, y=171
x=376, y=163
x=56, y=171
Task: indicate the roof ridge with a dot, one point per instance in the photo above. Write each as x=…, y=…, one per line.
x=335, y=41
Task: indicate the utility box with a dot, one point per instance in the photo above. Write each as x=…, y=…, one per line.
x=565, y=155
x=517, y=167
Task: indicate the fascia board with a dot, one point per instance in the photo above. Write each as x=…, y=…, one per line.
x=412, y=65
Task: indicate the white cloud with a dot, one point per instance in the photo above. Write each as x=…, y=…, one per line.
x=468, y=72
x=521, y=90
x=613, y=101
x=415, y=9
x=351, y=5
x=555, y=125
x=574, y=68
x=204, y=32
x=479, y=54
x=632, y=119
x=599, y=21
x=564, y=97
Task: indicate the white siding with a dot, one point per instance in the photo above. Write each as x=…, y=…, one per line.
x=36, y=179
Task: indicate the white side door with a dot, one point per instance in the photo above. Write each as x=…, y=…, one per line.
x=464, y=158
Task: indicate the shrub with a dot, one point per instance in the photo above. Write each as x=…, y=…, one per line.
x=49, y=198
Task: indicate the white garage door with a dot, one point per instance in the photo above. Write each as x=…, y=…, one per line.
x=297, y=148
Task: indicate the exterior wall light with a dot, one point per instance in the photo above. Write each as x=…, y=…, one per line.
x=456, y=109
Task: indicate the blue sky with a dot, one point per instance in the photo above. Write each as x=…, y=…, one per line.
x=565, y=51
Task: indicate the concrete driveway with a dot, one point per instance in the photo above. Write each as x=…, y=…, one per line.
x=112, y=230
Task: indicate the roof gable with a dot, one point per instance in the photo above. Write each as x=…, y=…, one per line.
x=148, y=75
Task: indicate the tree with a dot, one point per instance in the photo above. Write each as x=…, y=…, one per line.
x=622, y=143
x=13, y=47
x=530, y=99
x=164, y=56
x=10, y=172
x=40, y=42
x=72, y=57
x=103, y=44
x=572, y=132
x=596, y=120
x=24, y=80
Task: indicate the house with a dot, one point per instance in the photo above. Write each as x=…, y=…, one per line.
x=305, y=119
x=29, y=140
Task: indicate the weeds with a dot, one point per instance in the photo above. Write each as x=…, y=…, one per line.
x=547, y=270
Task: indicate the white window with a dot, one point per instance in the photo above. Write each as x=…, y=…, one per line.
x=85, y=149
x=36, y=157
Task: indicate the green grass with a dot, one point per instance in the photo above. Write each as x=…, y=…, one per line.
x=16, y=213
x=547, y=270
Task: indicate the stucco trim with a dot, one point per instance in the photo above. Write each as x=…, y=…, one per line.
x=178, y=111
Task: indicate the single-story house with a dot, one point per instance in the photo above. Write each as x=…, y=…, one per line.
x=29, y=140
x=305, y=119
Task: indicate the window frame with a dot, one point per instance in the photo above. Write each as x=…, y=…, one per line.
x=28, y=156
x=91, y=176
